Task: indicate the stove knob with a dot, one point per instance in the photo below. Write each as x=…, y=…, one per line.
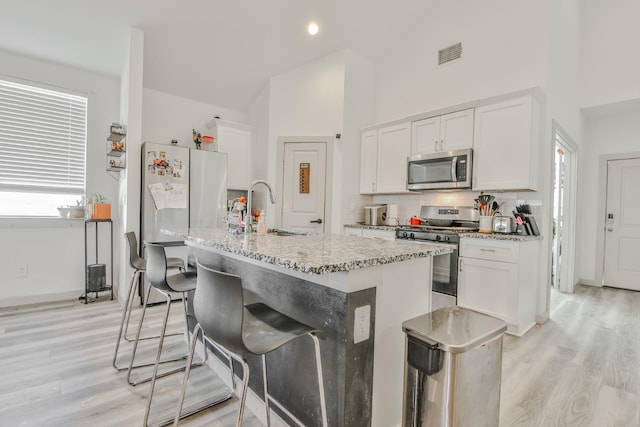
x=446, y=238
x=404, y=234
x=412, y=236
x=437, y=238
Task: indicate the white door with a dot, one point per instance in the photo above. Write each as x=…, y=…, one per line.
x=304, y=175
x=622, y=225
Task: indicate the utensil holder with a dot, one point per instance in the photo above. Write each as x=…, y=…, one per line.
x=486, y=224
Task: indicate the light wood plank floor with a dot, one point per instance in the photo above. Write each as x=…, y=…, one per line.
x=581, y=368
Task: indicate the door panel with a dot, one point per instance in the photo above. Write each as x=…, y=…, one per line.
x=303, y=199
x=622, y=225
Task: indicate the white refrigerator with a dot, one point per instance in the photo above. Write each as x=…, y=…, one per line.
x=180, y=188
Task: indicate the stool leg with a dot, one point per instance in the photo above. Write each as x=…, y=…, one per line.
x=155, y=367
x=266, y=388
x=135, y=343
x=131, y=293
x=187, y=371
x=243, y=396
x=125, y=317
x=323, y=405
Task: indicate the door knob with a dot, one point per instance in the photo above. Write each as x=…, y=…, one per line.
x=609, y=229
x=317, y=221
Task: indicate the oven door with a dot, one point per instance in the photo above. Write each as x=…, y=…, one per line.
x=445, y=270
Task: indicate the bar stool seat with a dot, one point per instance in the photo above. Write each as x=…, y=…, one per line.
x=255, y=329
x=139, y=266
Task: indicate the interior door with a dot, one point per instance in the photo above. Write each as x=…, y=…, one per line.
x=622, y=225
x=303, y=198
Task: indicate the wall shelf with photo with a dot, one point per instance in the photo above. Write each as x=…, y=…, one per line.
x=116, y=150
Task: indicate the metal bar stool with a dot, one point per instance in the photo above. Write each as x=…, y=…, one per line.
x=255, y=329
x=139, y=266
x=177, y=283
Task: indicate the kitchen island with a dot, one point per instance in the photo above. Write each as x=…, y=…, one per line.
x=356, y=291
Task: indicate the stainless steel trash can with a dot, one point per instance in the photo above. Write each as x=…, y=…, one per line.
x=452, y=369
x=96, y=277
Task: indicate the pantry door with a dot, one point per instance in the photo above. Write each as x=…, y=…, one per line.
x=304, y=184
x=622, y=225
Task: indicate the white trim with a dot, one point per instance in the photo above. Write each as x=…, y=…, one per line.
x=328, y=207
x=37, y=299
x=567, y=276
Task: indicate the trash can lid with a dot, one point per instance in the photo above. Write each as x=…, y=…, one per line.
x=455, y=329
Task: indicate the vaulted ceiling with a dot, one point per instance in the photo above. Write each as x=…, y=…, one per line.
x=217, y=51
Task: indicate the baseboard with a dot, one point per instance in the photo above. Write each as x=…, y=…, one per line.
x=37, y=299
x=589, y=283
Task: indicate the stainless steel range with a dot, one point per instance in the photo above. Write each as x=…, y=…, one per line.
x=442, y=224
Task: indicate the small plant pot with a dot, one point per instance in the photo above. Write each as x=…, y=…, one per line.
x=101, y=211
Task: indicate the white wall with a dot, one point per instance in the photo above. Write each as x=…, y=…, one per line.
x=611, y=58
x=166, y=117
x=54, y=249
x=306, y=101
x=359, y=111
x=606, y=134
x=504, y=45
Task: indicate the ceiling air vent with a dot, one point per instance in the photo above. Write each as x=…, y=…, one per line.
x=450, y=53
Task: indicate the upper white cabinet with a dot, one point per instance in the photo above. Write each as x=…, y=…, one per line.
x=453, y=131
x=235, y=140
x=505, y=145
x=383, y=159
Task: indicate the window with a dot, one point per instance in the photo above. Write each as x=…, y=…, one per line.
x=43, y=136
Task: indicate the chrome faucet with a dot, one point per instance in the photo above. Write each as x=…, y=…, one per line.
x=247, y=226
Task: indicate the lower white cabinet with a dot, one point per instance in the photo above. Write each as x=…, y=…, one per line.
x=499, y=278
x=372, y=233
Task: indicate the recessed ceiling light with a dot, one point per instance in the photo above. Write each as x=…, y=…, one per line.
x=313, y=28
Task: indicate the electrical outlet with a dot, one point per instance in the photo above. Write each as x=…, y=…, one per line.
x=361, y=321
x=22, y=270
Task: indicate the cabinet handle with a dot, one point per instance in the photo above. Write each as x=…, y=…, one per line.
x=435, y=145
x=487, y=250
x=442, y=145
x=373, y=186
x=459, y=264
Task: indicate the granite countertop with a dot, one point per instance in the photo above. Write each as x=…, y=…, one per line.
x=500, y=236
x=311, y=254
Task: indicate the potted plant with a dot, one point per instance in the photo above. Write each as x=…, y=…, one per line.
x=99, y=206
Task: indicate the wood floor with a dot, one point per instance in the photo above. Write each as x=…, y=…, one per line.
x=581, y=368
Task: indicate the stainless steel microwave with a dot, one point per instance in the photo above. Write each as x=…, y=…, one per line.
x=436, y=171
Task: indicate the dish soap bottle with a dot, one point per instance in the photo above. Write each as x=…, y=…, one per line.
x=262, y=224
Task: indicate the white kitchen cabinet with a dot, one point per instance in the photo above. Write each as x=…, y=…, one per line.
x=352, y=231
x=235, y=140
x=449, y=132
x=372, y=233
x=379, y=234
x=506, y=145
x=368, y=161
x=499, y=278
x=383, y=159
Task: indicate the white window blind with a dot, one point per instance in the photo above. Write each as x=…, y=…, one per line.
x=42, y=140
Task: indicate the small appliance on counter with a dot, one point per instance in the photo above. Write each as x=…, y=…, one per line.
x=375, y=214
x=392, y=215
x=504, y=224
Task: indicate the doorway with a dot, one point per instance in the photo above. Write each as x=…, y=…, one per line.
x=564, y=212
x=304, y=183
x=622, y=225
